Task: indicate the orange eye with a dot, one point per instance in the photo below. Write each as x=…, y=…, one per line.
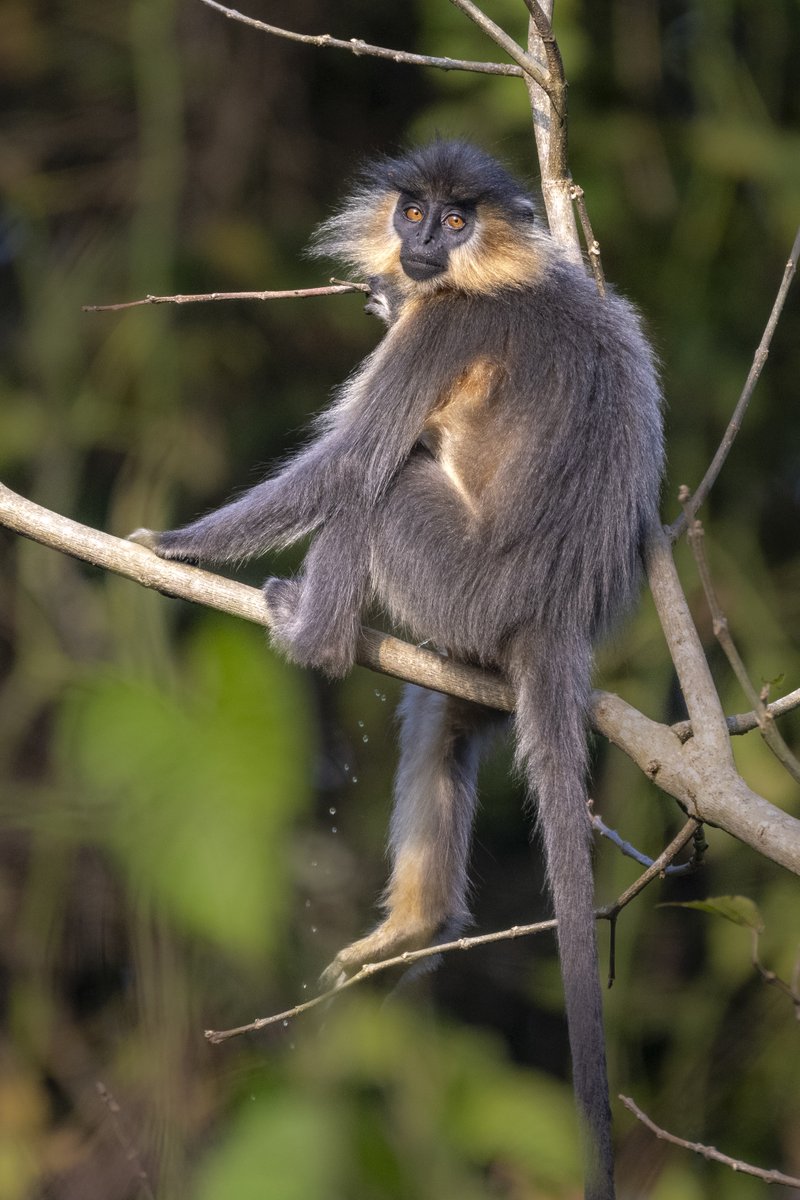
x=412, y=213
x=455, y=221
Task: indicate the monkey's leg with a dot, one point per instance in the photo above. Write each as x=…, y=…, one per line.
x=316, y=620
x=272, y=514
x=550, y=671
x=434, y=805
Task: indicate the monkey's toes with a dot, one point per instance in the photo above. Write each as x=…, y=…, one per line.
x=145, y=537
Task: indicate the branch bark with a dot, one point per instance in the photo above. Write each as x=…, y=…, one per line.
x=357, y=47
x=698, y=773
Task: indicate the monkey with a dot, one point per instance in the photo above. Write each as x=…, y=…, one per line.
x=487, y=476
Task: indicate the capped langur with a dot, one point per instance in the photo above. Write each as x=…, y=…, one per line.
x=487, y=476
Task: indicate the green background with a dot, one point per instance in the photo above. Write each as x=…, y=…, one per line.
x=189, y=828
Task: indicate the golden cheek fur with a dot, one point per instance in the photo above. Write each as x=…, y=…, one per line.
x=497, y=256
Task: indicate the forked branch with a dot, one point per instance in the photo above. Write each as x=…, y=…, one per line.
x=698, y=774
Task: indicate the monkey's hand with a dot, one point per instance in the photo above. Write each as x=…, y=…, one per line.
x=380, y=302
x=310, y=635
x=158, y=542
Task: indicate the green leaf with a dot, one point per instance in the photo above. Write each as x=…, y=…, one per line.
x=738, y=909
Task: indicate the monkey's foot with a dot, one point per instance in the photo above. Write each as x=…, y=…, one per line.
x=323, y=641
x=165, y=545
x=389, y=940
x=145, y=537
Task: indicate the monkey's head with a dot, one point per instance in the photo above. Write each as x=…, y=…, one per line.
x=444, y=216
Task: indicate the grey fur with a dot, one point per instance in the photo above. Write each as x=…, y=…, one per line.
x=527, y=583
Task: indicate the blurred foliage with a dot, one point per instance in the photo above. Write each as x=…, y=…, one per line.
x=191, y=829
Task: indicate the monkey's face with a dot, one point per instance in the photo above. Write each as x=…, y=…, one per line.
x=429, y=230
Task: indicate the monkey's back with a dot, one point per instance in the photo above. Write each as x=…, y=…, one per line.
x=538, y=470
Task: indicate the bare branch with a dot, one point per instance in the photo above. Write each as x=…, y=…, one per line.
x=359, y=48
x=549, y=109
x=698, y=689
x=709, y=1152
x=769, y=732
x=578, y=196
x=657, y=867
x=409, y=957
x=129, y=1148
x=742, y=723
x=704, y=782
x=334, y=289
x=770, y=977
x=530, y=68
x=630, y=851
x=704, y=787
x=734, y=425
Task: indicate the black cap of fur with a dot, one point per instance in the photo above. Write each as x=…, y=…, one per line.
x=450, y=170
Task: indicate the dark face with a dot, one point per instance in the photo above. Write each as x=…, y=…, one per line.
x=428, y=231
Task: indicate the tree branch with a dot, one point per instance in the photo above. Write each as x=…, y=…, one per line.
x=333, y=289
x=409, y=957
x=698, y=775
x=769, y=732
x=549, y=110
x=742, y=723
x=694, y=501
x=530, y=68
x=710, y=1152
x=359, y=48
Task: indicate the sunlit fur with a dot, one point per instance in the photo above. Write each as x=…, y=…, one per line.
x=507, y=249
x=487, y=476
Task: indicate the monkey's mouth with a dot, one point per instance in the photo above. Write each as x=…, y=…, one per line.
x=419, y=269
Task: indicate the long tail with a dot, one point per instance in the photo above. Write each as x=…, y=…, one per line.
x=552, y=684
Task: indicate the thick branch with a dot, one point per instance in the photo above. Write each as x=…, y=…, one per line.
x=702, y=701
x=357, y=47
x=549, y=109
x=704, y=783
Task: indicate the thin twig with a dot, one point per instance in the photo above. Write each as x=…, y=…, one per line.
x=657, y=868
x=644, y=860
x=359, y=48
x=741, y=723
x=466, y=943
x=401, y=960
x=770, y=977
x=694, y=501
x=130, y=1150
x=578, y=197
x=709, y=1152
x=334, y=289
x=528, y=65
x=769, y=731
x=557, y=89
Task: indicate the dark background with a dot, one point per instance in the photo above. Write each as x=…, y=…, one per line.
x=190, y=829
